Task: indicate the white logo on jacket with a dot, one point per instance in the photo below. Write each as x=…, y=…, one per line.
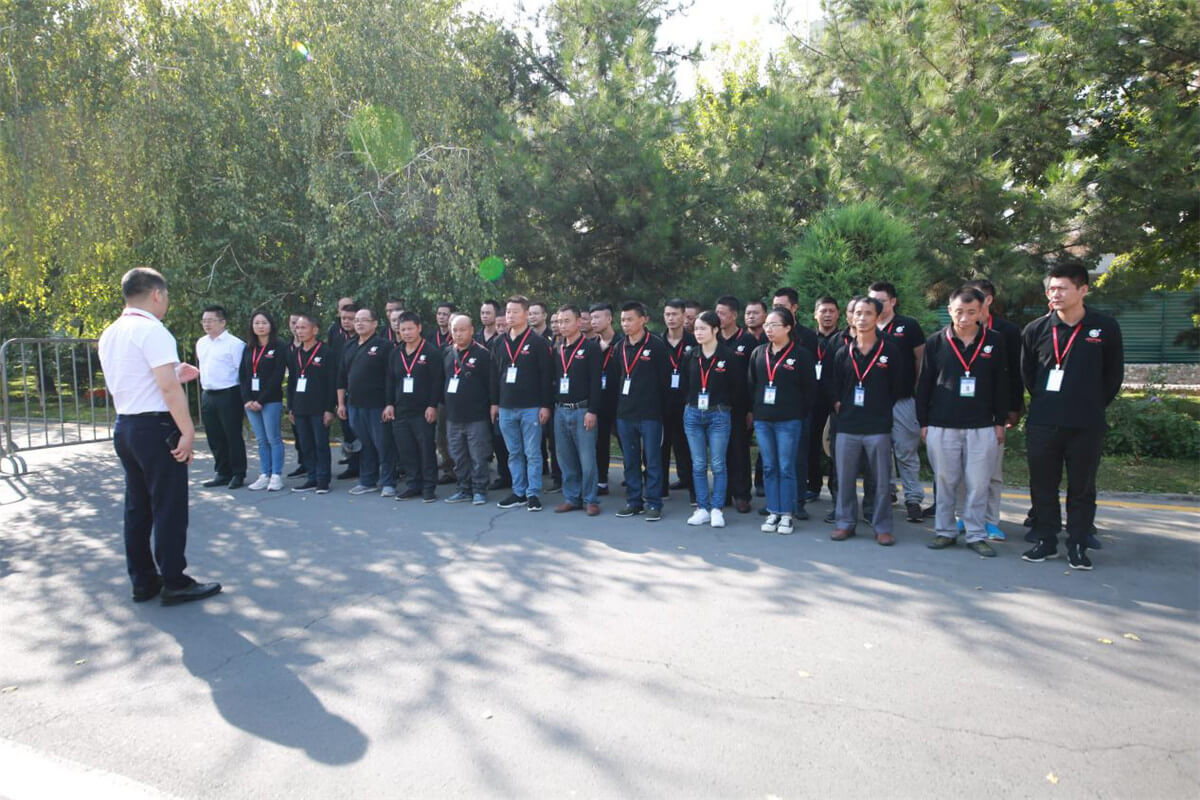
x=883, y=359
x=987, y=348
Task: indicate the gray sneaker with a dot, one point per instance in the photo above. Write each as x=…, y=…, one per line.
x=653, y=514
x=479, y=499
x=387, y=491
x=459, y=497
x=360, y=489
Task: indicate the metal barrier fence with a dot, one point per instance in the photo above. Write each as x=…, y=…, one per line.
x=54, y=395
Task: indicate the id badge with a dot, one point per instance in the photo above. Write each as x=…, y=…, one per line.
x=966, y=386
x=625, y=388
x=452, y=386
x=860, y=396
x=511, y=375
x=674, y=380
x=769, y=395
x=818, y=369
x=1054, y=380
x=702, y=401
x=408, y=385
x=564, y=384
x=603, y=381
x=254, y=384
x=301, y=384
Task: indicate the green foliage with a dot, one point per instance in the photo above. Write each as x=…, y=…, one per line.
x=1149, y=427
x=846, y=248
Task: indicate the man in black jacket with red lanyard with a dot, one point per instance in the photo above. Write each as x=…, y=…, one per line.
x=467, y=366
x=312, y=400
x=577, y=362
x=413, y=391
x=1072, y=362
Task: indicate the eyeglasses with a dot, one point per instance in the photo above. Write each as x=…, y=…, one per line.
x=773, y=325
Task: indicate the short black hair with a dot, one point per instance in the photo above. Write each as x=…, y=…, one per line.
x=215, y=309
x=983, y=285
x=1074, y=271
x=311, y=317
x=826, y=299
x=690, y=303
x=967, y=294
x=445, y=304
x=520, y=300
x=533, y=303
x=729, y=301
x=878, y=306
x=495, y=304
x=352, y=307
x=602, y=306
x=141, y=281
x=409, y=316
x=676, y=302
x=250, y=334
x=635, y=305
x=369, y=310
x=391, y=300
x=574, y=309
x=883, y=286
x=756, y=302
x=791, y=294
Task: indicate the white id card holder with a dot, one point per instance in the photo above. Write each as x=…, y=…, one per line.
x=702, y=401
x=769, y=395
x=674, y=380
x=1054, y=380
x=452, y=386
x=408, y=384
x=511, y=375
x=966, y=386
x=860, y=396
x=603, y=381
x=301, y=384
x=254, y=384
x=818, y=369
x=625, y=388
x=564, y=385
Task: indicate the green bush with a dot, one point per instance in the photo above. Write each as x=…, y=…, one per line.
x=1150, y=427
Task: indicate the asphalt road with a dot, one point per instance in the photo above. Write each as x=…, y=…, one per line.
x=369, y=648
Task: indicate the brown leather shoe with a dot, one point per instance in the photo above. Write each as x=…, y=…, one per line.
x=841, y=534
x=593, y=509
x=742, y=505
x=563, y=508
x=885, y=539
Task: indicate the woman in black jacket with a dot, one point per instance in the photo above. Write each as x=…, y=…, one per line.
x=264, y=362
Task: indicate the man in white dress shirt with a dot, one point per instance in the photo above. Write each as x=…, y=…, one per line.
x=220, y=355
x=153, y=438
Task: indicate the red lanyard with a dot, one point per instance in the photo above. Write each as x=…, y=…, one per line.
x=439, y=341
x=607, y=357
x=458, y=361
x=989, y=322
x=772, y=370
x=673, y=354
x=512, y=359
x=562, y=351
x=254, y=359
x=408, y=368
x=966, y=364
x=735, y=336
x=625, y=356
x=820, y=354
x=704, y=373
x=1059, y=359
x=888, y=329
x=862, y=376
x=300, y=358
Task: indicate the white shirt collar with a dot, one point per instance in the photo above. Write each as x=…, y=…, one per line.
x=139, y=312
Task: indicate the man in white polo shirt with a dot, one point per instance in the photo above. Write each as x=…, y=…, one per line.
x=219, y=353
x=153, y=438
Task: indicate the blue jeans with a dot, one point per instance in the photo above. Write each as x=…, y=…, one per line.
x=269, y=436
x=636, y=434
x=576, y=449
x=779, y=444
x=708, y=439
x=375, y=459
x=523, y=437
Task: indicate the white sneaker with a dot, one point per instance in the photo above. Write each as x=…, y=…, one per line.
x=261, y=483
x=718, y=518
x=785, y=524
x=771, y=524
x=699, y=517
x=276, y=484
x=387, y=491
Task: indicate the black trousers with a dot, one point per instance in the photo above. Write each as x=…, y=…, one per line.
x=501, y=448
x=816, y=452
x=605, y=426
x=737, y=457
x=416, y=446
x=550, y=452
x=1049, y=448
x=156, y=500
x=675, y=439
x=222, y=413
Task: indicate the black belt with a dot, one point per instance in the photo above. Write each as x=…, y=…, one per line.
x=572, y=406
x=146, y=414
x=222, y=391
x=710, y=408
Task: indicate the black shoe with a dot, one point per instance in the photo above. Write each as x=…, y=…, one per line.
x=653, y=514
x=799, y=514
x=298, y=471
x=831, y=517
x=499, y=484
x=930, y=511
x=409, y=494
x=429, y=497
x=982, y=548
x=915, y=514
x=677, y=486
x=629, y=511
x=322, y=488
x=941, y=542
x=1041, y=552
x=237, y=482
x=343, y=461
x=1077, y=557
x=533, y=504
x=307, y=486
x=555, y=488
x=217, y=481
x=195, y=591
x=512, y=501
x=347, y=474
x=147, y=592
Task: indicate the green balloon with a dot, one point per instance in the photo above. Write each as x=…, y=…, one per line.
x=491, y=268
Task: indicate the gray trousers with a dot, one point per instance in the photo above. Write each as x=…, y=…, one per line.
x=848, y=449
x=470, y=445
x=962, y=459
x=906, y=438
x=995, y=486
